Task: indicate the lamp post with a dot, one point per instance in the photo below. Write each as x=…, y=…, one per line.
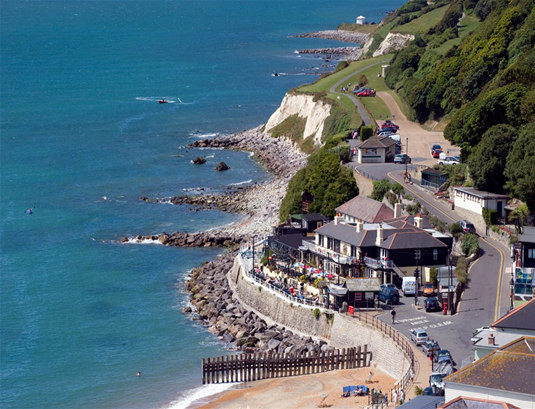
x=417, y=255
x=450, y=279
x=253, y=253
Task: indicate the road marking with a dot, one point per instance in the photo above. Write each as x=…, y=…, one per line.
x=437, y=325
x=499, y=286
x=496, y=307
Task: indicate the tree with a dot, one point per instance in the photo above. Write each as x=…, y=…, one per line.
x=338, y=192
x=379, y=189
x=487, y=161
x=520, y=166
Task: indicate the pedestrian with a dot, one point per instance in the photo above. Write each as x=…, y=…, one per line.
x=393, y=313
x=395, y=397
x=402, y=397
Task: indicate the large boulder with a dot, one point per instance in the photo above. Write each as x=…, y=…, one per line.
x=221, y=166
x=199, y=160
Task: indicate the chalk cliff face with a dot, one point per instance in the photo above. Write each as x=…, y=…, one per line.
x=304, y=106
x=393, y=42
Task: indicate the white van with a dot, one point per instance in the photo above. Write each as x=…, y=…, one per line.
x=408, y=286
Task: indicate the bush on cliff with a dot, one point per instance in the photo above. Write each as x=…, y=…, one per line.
x=330, y=183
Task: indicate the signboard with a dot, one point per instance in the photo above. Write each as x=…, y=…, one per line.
x=358, y=296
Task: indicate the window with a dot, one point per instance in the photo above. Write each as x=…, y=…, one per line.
x=531, y=253
x=337, y=245
x=435, y=254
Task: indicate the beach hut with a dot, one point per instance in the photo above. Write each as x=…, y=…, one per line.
x=361, y=20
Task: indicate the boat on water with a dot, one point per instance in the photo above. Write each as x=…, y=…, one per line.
x=162, y=101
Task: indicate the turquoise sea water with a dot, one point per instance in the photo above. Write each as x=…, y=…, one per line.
x=83, y=137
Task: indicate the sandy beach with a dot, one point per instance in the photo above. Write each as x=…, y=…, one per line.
x=303, y=391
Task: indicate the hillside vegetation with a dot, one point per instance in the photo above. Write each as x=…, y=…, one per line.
x=471, y=65
x=484, y=85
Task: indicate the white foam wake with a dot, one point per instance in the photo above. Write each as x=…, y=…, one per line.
x=198, y=395
x=142, y=241
x=245, y=182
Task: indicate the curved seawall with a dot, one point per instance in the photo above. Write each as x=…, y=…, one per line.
x=341, y=331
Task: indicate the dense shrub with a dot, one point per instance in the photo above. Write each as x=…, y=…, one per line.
x=470, y=244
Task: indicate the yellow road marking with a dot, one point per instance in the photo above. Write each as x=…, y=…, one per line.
x=500, y=275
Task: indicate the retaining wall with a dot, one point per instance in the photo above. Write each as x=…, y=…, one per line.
x=342, y=332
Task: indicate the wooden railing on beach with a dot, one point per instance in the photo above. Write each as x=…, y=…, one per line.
x=266, y=365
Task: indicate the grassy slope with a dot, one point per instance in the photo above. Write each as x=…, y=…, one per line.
x=423, y=23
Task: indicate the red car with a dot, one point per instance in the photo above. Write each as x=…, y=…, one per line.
x=366, y=93
x=436, y=153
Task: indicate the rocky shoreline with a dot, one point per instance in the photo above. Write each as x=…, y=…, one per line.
x=212, y=298
x=258, y=203
x=349, y=53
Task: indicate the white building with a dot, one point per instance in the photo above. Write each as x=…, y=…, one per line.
x=361, y=20
x=475, y=201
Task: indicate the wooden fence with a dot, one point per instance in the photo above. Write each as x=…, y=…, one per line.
x=253, y=367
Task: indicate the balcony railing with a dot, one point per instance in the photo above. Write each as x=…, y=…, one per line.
x=376, y=264
x=325, y=252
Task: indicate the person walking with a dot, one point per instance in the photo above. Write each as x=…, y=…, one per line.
x=393, y=314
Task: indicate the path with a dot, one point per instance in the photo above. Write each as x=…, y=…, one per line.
x=416, y=140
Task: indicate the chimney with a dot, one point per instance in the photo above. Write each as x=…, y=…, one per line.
x=418, y=221
x=491, y=339
x=397, y=210
x=360, y=226
x=379, y=238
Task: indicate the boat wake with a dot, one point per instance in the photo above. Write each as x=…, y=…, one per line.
x=168, y=100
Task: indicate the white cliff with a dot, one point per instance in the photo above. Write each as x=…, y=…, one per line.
x=393, y=42
x=315, y=113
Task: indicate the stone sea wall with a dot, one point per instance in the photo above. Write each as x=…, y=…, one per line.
x=341, y=332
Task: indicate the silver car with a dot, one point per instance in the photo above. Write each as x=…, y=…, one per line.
x=419, y=336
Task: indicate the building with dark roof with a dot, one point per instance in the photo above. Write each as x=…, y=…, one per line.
x=364, y=209
x=476, y=200
x=376, y=249
x=377, y=149
x=506, y=374
x=517, y=323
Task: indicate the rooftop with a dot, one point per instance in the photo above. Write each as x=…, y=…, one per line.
x=528, y=235
x=520, y=318
x=462, y=402
x=509, y=368
x=480, y=193
x=377, y=142
x=366, y=209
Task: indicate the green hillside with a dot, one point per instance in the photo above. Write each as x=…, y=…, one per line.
x=482, y=82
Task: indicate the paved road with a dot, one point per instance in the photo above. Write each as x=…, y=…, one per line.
x=363, y=113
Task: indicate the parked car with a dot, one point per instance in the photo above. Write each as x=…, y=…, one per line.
x=429, y=347
x=443, y=355
x=437, y=152
x=432, y=304
x=402, y=158
x=467, y=226
x=429, y=289
x=389, y=124
x=435, y=146
x=419, y=336
x=366, y=93
x=389, y=295
x=448, y=160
